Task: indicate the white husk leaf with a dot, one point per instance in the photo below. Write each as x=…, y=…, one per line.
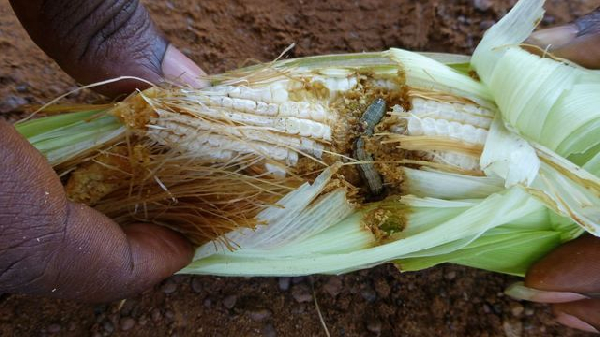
x=297, y=216
x=449, y=186
x=571, y=127
x=569, y=190
x=508, y=155
x=541, y=100
x=512, y=30
x=423, y=72
x=526, y=100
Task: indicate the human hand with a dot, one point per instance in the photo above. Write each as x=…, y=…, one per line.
x=52, y=247
x=97, y=40
x=48, y=245
x=569, y=277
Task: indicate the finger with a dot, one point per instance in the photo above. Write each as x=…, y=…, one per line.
x=97, y=40
x=573, y=268
x=99, y=262
x=583, y=315
x=51, y=247
x=578, y=41
x=520, y=292
x=32, y=210
x=179, y=69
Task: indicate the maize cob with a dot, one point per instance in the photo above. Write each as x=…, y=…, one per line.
x=279, y=126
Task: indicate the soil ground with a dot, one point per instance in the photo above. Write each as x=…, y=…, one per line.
x=221, y=35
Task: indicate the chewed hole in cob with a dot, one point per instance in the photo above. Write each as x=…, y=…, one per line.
x=209, y=161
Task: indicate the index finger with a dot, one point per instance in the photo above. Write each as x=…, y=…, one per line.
x=578, y=41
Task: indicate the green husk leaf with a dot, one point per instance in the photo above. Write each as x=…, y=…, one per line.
x=593, y=165
x=508, y=249
x=35, y=127
x=63, y=137
x=454, y=228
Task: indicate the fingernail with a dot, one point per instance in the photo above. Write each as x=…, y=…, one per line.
x=574, y=322
x=553, y=37
x=521, y=292
x=180, y=69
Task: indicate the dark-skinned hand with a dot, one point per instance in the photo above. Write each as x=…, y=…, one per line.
x=48, y=245
x=569, y=277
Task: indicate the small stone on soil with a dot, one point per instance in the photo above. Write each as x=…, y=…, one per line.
x=196, y=285
x=334, y=286
x=486, y=24
x=207, y=302
x=374, y=326
x=368, y=293
x=22, y=88
x=155, y=315
x=482, y=5
x=127, y=323
x=517, y=311
x=513, y=329
x=169, y=315
x=259, y=315
x=229, y=301
x=11, y=103
x=114, y=318
x=53, y=328
x=100, y=317
x=169, y=287
x=382, y=288
x=301, y=293
x=269, y=331
x=284, y=283
x=108, y=327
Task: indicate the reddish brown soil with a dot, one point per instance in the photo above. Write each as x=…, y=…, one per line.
x=220, y=35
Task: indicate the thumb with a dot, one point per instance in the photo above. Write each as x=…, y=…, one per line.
x=570, y=277
x=574, y=268
x=52, y=247
x=568, y=274
x=99, y=262
x=97, y=40
x=578, y=41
